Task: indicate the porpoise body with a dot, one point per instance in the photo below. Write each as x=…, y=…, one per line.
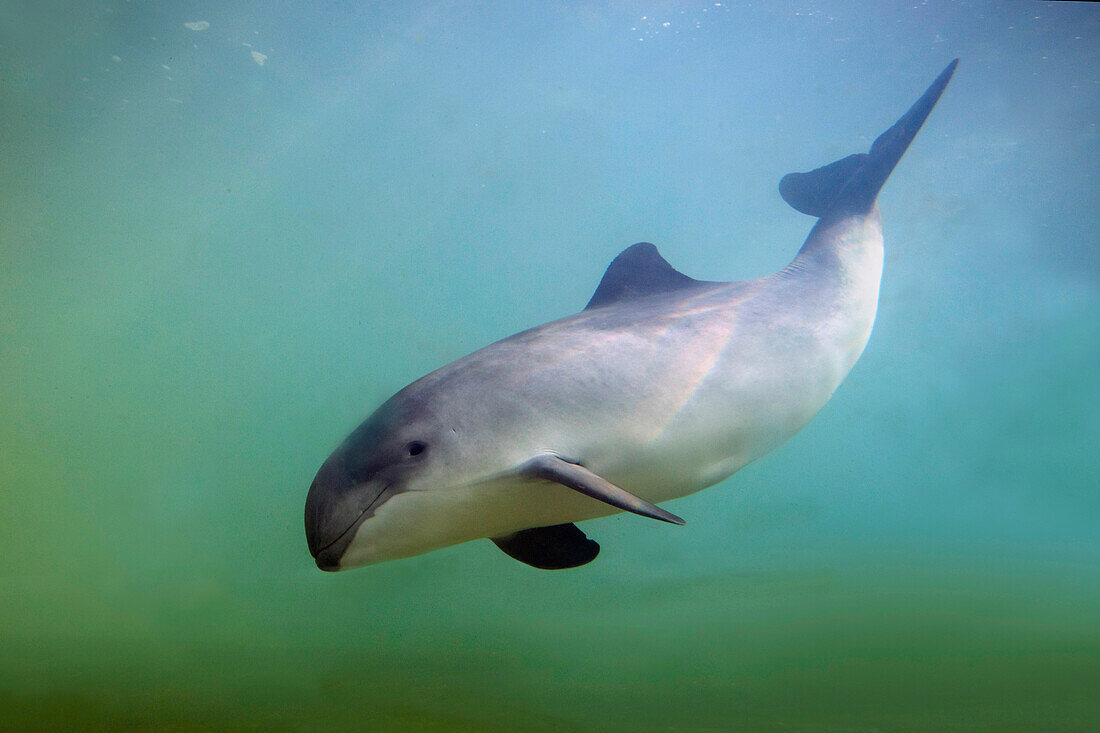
x=662, y=386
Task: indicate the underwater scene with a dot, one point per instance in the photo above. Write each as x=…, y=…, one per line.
x=231, y=231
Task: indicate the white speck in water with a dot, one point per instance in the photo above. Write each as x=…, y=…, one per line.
x=116, y=59
x=197, y=25
x=166, y=67
x=259, y=58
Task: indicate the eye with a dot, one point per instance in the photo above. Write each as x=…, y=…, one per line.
x=416, y=448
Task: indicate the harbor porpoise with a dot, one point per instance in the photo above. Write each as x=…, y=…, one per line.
x=663, y=385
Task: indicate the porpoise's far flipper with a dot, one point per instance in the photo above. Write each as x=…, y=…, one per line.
x=550, y=548
x=851, y=185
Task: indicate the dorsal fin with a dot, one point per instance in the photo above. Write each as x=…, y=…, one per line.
x=638, y=271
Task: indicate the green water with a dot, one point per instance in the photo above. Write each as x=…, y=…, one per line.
x=211, y=272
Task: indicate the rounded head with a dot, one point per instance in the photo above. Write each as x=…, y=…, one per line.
x=390, y=453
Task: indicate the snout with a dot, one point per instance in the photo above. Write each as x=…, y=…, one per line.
x=335, y=507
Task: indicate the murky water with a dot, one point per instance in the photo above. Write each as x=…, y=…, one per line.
x=229, y=233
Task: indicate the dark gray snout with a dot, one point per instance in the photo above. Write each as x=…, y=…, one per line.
x=335, y=507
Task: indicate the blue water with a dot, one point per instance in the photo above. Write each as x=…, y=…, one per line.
x=222, y=246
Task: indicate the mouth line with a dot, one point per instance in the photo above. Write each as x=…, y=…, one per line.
x=355, y=522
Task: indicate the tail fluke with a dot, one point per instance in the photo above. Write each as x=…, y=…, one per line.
x=850, y=185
